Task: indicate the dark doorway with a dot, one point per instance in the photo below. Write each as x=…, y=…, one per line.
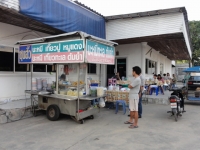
x=121, y=67
x=110, y=72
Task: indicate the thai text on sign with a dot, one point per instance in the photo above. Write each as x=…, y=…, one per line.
x=70, y=51
x=99, y=53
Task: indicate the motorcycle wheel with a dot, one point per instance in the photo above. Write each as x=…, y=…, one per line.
x=176, y=118
x=174, y=111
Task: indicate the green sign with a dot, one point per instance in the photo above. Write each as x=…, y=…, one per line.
x=61, y=46
x=98, y=48
x=99, y=53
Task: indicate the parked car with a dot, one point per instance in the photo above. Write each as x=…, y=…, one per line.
x=193, y=82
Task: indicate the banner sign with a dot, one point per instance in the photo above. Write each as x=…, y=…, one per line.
x=67, y=52
x=53, y=52
x=99, y=53
x=58, y=52
x=24, y=54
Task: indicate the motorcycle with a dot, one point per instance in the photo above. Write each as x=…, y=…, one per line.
x=177, y=103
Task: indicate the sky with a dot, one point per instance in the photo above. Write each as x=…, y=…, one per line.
x=116, y=7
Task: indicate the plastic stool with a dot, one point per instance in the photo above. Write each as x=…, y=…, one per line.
x=156, y=89
x=165, y=87
x=123, y=102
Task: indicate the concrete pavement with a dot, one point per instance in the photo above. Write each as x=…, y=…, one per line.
x=157, y=130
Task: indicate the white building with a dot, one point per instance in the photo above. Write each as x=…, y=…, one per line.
x=150, y=40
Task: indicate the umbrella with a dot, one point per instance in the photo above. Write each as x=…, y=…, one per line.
x=192, y=69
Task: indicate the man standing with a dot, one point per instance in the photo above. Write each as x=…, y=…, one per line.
x=140, y=96
x=134, y=97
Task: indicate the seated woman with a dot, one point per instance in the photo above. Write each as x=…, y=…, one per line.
x=160, y=83
x=154, y=84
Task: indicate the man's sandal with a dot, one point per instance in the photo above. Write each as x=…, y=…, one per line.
x=132, y=127
x=127, y=122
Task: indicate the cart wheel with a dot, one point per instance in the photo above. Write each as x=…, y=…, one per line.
x=34, y=112
x=91, y=117
x=82, y=121
x=53, y=112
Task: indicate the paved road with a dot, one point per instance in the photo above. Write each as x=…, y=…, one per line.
x=157, y=131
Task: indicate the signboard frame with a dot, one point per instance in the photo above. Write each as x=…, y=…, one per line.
x=42, y=52
x=103, y=55
x=22, y=56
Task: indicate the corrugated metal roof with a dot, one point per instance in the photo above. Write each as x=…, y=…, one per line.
x=147, y=13
x=88, y=8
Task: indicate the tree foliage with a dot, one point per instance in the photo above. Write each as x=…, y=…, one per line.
x=194, y=27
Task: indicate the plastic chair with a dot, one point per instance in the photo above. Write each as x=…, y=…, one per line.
x=123, y=102
x=144, y=98
x=155, y=89
x=165, y=87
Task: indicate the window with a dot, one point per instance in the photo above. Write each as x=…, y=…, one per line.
x=195, y=78
x=151, y=67
x=20, y=67
x=39, y=68
x=51, y=68
x=44, y=68
x=92, y=68
x=6, y=61
x=161, y=68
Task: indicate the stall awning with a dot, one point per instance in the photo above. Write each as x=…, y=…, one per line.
x=192, y=69
x=64, y=15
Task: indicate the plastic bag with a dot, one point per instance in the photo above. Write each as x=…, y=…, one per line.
x=101, y=103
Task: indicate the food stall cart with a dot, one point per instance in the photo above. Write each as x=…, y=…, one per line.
x=67, y=51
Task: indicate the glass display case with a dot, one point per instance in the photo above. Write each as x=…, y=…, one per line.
x=72, y=81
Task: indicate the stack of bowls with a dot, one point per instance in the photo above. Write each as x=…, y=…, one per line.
x=39, y=84
x=34, y=87
x=44, y=83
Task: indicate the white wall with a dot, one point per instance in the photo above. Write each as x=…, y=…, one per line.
x=133, y=53
x=10, y=34
x=147, y=26
x=144, y=26
x=157, y=57
x=13, y=85
x=136, y=56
